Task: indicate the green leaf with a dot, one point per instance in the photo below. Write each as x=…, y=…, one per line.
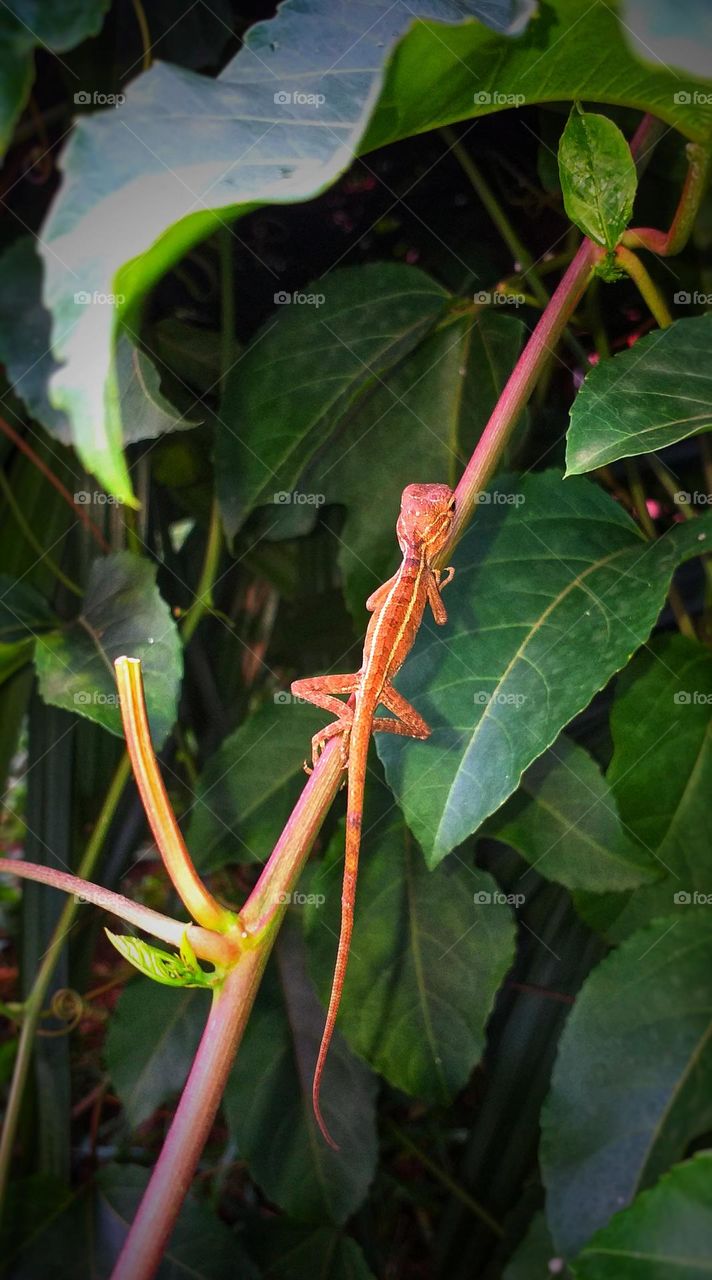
x=287, y=1251
x=531, y=1260
x=166, y=967
x=598, y=176
x=554, y=590
x=122, y=613
x=661, y=777
x=25, y=350
x=277, y=409
x=152, y=1039
x=249, y=787
x=424, y=414
x=25, y=26
x=632, y=1084
x=645, y=398
x=430, y=951
x=85, y=1238
x=269, y=1107
x=665, y=1235
x=564, y=821
x=23, y=610
x=141, y=185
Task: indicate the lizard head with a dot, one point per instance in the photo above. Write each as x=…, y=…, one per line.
x=426, y=516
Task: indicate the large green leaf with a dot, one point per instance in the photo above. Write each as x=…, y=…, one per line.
x=564, y=821
x=555, y=588
x=152, y=1038
x=632, y=1085
x=661, y=779
x=287, y=1251
x=269, y=1108
x=145, y=182
x=85, y=1238
x=534, y=1254
x=122, y=613
x=426, y=415
x=248, y=788
x=304, y=370
x=646, y=398
x=429, y=954
x=23, y=611
x=665, y=1235
x=25, y=350
x=26, y=25
x=598, y=176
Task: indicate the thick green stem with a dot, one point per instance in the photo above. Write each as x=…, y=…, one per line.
x=646, y=286
x=34, y=1004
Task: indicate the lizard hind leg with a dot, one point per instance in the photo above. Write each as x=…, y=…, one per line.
x=322, y=692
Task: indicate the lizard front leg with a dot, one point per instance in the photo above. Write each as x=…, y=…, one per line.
x=321, y=691
x=436, y=583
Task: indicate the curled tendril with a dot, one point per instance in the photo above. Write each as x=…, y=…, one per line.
x=68, y=1006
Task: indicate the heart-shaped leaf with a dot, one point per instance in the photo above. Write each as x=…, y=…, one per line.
x=122, y=613
x=24, y=612
x=632, y=1085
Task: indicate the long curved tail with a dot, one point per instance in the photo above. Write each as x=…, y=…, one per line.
x=358, y=754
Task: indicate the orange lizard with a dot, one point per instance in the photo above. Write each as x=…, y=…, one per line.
x=398, y=605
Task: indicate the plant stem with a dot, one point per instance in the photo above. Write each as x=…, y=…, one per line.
x=197, y=899
x=33, y=1005
x=684, y=622
x=460, y=1192
x=518, y=250
x=43, y=556
x=647, y=287
x=193, y=1120
x=203, y=601
x=520, y=384
x=21, y=444
x=672, y=241
x=214, y=947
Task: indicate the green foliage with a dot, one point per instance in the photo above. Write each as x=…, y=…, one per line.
x=163, y=966
x=122, y=613
x=665, y=1235
x=645, y=399
x=270, y=248
x=598, y=178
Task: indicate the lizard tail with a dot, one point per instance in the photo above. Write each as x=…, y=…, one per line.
x=358, y=752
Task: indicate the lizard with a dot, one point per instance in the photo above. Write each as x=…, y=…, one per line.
x=397, y=608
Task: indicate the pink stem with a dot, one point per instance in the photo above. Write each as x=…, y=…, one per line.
x=209, y=946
